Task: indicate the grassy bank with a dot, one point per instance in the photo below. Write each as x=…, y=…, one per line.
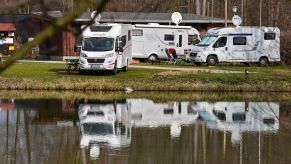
x=155, y=96
x=44, y=76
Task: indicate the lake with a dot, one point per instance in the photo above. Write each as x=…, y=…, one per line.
x=139, y=130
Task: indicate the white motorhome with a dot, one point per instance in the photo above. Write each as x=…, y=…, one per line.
x=239, y=117
x=106, y=47
x=151, y=40
x=238, y=44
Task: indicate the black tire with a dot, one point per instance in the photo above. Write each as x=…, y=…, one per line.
x=198, y=63
x=212, y=60
x=153, y=57
x=82, y=72
x=114, y=71
x=263, y=62
x=125, y=68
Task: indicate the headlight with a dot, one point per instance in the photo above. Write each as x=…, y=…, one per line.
x=83, y=55
x=109, y=55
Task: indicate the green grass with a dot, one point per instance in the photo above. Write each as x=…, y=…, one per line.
x=48, y=72
x=42, y=71
x=47, y=76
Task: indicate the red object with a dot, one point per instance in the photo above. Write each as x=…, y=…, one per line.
x=7, y=106
x=135, y=61
x=171, y=50
x=7, y=27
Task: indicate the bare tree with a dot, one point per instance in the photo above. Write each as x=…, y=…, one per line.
x=204, y=8
x=198, y=9
x=54, y=28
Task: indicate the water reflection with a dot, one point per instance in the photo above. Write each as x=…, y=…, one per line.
x=146, y=113
x=239, y=117
x=106, y=123
x=143, y=131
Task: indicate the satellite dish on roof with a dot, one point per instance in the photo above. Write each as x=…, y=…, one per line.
x=177, y=18
x=236, y=20
x=98, y=17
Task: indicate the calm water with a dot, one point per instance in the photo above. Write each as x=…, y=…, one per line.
x=138, y=131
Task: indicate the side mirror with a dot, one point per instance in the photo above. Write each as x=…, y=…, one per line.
x=77, y=48
x=216, y=45
x=119, y=49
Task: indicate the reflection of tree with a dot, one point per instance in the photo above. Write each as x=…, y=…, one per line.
x=27, y=136
x=7, y=136
x=16, y=133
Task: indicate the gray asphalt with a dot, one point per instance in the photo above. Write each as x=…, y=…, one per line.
x=185, y=69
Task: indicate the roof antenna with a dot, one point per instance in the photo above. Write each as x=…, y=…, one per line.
x=177, y=18
x=97, y=18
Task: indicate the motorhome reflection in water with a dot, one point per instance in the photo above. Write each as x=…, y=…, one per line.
x=109, y=124
x=238, y=44
x=239, y=117
x=104, y=123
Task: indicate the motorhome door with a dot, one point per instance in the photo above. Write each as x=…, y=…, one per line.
x=221, y=48
x=180, y=44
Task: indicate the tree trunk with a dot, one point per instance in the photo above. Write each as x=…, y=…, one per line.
x=204, y=8
x=198, y=9
x=277, y=13
x=212, y=8
x=225, y=12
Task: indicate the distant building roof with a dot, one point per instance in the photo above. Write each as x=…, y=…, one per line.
x=13, y=18
x=53, y=14
x=118, y=17
x=7, y=27
x=122, y=17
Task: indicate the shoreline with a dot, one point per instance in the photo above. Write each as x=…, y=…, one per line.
x=155, y=96
x=53, y=77
x=64, y=84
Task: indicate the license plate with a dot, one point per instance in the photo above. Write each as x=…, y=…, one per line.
x=95, y=66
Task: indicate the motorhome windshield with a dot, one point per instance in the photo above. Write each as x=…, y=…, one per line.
x=206, y=41
x=98, y=44
x=98, y=128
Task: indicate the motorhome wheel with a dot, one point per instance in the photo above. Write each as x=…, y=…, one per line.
x=125, y=68
x=153, y=57
x=212, y=60
x=198, y=63
x=114, y=71
x=263, y=61
x=82, y=72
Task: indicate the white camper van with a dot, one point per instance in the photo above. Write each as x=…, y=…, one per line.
x=106, y=47
x=151, y=40
x=238, y=44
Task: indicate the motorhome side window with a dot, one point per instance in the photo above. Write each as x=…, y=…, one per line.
x=123, y=40
x=129, y=35
x=193, y=39
x=242, y=40
x=116, y=42
x=270, y=36
x=170, y=37
x=221, y=42
x=137, y=33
